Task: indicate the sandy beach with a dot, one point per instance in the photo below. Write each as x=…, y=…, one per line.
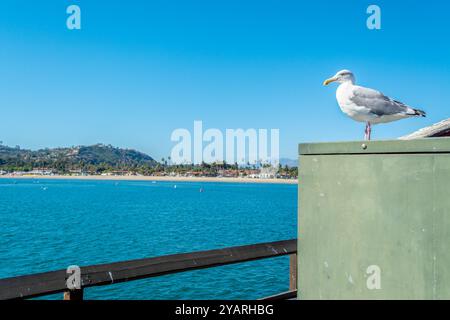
x=156, y=178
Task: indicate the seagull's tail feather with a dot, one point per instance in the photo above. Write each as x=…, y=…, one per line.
x=419, y=113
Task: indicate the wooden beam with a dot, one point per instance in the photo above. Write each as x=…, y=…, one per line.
x=293, y=272
x=55, y=281
x=440, y=129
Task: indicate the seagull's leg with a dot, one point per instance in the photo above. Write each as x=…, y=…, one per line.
x=369, y=127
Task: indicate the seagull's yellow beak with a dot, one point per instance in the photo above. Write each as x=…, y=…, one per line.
x=328, y=81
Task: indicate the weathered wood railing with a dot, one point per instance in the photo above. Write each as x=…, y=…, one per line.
x=46, y=283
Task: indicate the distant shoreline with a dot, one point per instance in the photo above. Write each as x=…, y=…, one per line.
x=156, y=178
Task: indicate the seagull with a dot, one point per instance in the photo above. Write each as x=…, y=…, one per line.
x=368, y=105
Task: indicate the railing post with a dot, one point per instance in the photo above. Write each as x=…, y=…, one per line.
x=73, y=295
x=293, y=272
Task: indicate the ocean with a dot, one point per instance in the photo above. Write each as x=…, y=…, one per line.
x=50, y=224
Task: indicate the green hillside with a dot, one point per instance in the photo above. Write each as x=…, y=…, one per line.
x=91, y=159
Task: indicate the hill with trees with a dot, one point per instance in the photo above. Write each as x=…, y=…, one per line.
x=93, y=159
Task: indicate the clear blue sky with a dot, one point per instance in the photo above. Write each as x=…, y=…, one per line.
x=137, y=70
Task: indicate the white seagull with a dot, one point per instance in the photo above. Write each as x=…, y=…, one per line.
x=368, y=105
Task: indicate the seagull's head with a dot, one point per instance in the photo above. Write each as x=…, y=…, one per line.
x=341, y=77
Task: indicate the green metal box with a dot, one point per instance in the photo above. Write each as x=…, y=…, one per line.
x=374, y=220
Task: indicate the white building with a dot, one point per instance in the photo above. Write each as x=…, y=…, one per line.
x=268, y=172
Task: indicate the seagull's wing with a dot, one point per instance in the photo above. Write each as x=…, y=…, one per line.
x=378, y=103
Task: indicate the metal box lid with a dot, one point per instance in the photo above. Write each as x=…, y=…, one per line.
x=428, y=145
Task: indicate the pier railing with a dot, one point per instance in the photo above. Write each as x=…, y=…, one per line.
x=41, y=284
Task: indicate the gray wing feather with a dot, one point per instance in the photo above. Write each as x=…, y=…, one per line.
x=377, y=103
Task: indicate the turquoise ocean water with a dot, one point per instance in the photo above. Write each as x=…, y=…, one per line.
x=51, y=224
